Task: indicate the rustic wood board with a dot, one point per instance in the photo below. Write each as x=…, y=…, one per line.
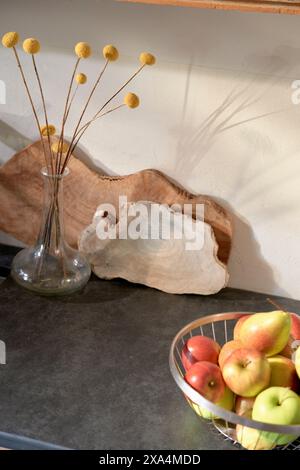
x=290, y=7
x=21, y=195
x=173, y=265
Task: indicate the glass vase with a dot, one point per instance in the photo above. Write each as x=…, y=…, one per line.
x=51, y=267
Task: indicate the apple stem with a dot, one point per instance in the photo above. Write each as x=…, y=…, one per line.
x=272, y=302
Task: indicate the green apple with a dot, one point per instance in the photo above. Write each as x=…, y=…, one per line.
x=277, y=405
x=253, y=439
x=226, y=402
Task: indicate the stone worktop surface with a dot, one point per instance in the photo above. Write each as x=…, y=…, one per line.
x=90, y=371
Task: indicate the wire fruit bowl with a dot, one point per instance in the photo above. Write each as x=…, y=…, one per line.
x=219, y=327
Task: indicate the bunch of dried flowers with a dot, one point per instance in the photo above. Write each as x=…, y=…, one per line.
x=59, y=152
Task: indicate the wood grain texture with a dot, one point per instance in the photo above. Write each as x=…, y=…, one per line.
x=173, y=265
x=21, y=193
x=289, y=7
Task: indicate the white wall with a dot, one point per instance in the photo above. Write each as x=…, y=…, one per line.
x=216, y=112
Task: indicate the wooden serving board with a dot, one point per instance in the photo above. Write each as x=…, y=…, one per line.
x=21, y=195
x=291, y=7
x=167, y=265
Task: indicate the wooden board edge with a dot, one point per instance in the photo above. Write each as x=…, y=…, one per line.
x=247, y=6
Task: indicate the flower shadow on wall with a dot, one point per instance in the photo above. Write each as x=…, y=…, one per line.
x=195, y=143
x=247, y=264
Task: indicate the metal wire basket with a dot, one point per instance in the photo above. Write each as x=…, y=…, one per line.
x=220, y=328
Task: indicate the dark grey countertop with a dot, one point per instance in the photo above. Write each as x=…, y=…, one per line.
x=91, y=371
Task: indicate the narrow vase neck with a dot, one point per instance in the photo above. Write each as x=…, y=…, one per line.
x=51, y=235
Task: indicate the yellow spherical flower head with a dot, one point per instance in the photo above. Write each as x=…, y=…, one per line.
x=110, y=53
x=48, y=129
x=60, y=147
x=83, y=50
x=31, y=46
x=81, y=78
x=147, y=59
x=131, y=100
x=10, y=39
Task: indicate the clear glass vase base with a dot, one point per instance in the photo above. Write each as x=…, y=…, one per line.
x=48, y=274
x=51, y=266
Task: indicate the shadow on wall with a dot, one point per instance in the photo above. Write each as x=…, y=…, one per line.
x=193, y=146
x=12, y=138
x=195, y=143
x=16, y=141
x=247, y=265
x=247, y=260
x=94, y=163
x=284, y=62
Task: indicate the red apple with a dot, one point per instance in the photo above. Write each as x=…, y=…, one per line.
x=297, y=361
x=199, y=348
x=246, y=372
x=207, y=379
x=244, y=406
x=227, y=350
x=288, y=350
x=237, y=328
x=283, y=373
x=226, y=402
x=295, y=327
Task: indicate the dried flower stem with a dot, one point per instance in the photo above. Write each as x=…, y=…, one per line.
x=86, y=105
x=71, y=101
x=32, y=104
x=84, y=128
x=59, y=152
x=90, y=96
x=96, y=118
x=79, y=136
x=115, y=94
x=44, y=108
x=61, y=138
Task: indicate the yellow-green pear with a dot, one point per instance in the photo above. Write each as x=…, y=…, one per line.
x=266, y=332
x=253, y=439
